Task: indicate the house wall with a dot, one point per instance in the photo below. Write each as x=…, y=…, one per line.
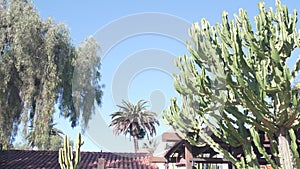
x=171, y=166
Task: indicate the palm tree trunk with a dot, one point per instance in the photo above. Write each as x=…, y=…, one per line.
x=136, y=143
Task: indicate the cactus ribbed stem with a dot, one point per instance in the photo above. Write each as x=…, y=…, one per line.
x=285, y=150
x=67, y=158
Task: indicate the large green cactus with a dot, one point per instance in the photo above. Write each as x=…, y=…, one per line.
x=237, y=84
x=67, y=158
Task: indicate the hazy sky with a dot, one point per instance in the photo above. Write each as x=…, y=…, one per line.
x=139, y=40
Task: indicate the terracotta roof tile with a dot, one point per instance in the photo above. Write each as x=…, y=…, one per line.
x=27, y=159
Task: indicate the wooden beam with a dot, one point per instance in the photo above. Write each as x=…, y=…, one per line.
x=157, y=160
x=170, y=137
x=188, y=154
x=209, y=160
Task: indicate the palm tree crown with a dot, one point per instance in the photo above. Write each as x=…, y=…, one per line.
x=135, y=120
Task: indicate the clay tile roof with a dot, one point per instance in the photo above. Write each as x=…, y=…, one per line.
x=28, y=159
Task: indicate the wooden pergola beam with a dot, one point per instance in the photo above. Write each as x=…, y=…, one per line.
x=188, y=154
x=210, y=160
x=157, y=159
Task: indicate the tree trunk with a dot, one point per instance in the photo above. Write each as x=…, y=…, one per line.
x=136, y=143
x=284, y=148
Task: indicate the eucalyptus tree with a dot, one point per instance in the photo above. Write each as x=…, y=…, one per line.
x=37, y=65
x=237, y=84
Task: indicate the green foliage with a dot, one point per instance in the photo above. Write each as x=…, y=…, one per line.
x=135, y=120
x=86, y=80
x=237, y=80
x=37, y=64
x=151, y=145
x=67, y=158
x=54, y=143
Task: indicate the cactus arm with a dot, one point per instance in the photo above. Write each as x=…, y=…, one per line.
x=294, y=148
x=296, y=69
x=79, y=143
x=250, y=156
x=67, y=158
x=216, y=147
x=261, y=149
x=61, y=159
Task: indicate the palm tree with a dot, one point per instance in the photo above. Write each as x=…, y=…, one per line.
x=135, y=120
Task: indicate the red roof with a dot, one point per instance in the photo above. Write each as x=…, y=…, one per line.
x=28, y=159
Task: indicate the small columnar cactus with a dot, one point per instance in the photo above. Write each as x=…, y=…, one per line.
x=67, y=158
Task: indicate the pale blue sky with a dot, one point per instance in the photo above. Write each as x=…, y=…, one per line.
x=153, y=83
